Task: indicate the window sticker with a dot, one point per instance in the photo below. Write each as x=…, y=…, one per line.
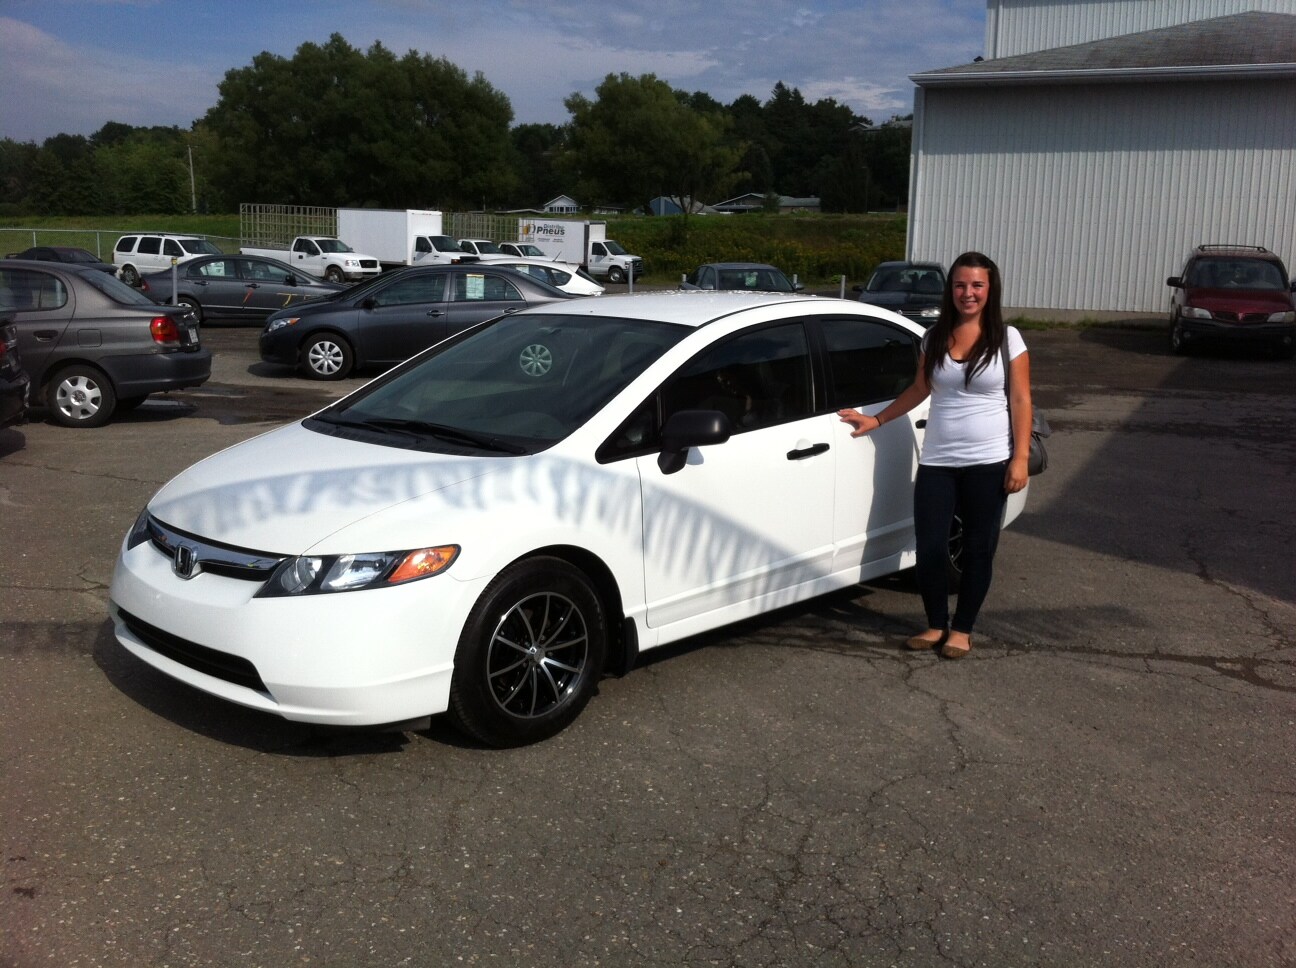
x=476, y=286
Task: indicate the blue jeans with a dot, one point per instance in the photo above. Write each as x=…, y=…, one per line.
x=976, y=493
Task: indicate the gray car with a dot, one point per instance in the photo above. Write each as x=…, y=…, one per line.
x=749, y=276
x=92, y=345
x=390, y=318
x=912, y=289
x=235, y=286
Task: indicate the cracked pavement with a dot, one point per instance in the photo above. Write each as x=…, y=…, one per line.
x=1107, y=779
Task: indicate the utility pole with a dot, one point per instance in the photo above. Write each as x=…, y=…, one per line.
x=193, y=192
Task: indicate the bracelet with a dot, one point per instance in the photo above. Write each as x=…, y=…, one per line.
x=878, y=418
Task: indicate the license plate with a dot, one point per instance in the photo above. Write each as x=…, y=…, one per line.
x=193, y=335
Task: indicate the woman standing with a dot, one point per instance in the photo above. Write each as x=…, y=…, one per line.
x=972, y=459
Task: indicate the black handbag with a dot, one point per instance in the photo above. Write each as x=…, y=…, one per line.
x=1037, y=462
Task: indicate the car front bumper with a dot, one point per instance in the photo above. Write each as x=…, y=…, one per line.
x=361, y=658
x=1214, y=329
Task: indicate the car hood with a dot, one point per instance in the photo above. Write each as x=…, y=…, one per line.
x=1240, y=301
x=892, y=299
x=294, y=491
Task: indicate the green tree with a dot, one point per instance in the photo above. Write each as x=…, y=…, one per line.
x=640, y=139
x=337, y=126
x=537, y=148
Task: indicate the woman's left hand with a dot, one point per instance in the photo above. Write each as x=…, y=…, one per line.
x=1017, y=475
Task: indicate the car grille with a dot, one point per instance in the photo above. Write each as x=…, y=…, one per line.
x=210, y=556
x=219, y=665
x=368, y=263
x=1243, y=318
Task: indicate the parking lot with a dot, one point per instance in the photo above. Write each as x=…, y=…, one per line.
x=1107, y=779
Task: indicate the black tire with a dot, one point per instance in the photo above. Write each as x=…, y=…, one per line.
x=1178, y=345
x=125, y=404
x=193, y=306
x=1284, y=351
x=80, y=396
x=616, y=274
x=333, y=274
x=327, y=356
x=530, y=655
x=130, y=276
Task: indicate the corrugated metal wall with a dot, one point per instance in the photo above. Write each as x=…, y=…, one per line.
x=1089, y=196
x=1024, y=26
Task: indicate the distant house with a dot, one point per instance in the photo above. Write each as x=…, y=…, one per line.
x=562, y=205
x=755, y=202
x=665, y=205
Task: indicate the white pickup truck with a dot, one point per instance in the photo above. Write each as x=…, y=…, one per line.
x=323, y=257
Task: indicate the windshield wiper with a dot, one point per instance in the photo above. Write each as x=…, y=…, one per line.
x=423, y=428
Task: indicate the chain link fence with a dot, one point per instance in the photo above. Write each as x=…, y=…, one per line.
x=98, y=241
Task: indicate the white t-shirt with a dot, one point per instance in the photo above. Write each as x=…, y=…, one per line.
x=969, y=424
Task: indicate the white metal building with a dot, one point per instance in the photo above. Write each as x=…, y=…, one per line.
x=1087, y=169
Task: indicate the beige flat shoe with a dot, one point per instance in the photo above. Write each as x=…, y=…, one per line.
x=951, y=651
x=917, y=642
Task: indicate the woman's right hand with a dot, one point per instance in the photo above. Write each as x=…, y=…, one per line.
x=862, y=422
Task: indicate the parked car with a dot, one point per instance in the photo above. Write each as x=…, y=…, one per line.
x=134, y=255
x=1232, y=293
x=912, y=289
x=389, y=319
x=15, y=385
x=235, y=286
x=92, y=345
x=749, y=276
x=64, y=253
x=524, y=249
x=570, y=279
x=484, y=249
x=489, y=528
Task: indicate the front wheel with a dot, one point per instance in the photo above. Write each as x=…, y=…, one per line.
x=1178, y=345
x=130, y=276
x=530, y=654
x=616, y=274
x=333, y=274
x=80, y=396
x=327, y=357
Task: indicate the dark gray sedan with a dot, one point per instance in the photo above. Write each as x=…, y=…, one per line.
x=912, y=289
x=388, y=319
x=235, y=286
x=69, y=254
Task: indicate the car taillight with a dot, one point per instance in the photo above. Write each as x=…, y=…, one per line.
x=165, y=331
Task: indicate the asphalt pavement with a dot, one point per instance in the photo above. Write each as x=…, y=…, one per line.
x=1107, y=780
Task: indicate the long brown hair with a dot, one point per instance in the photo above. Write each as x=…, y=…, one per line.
x=991, y=339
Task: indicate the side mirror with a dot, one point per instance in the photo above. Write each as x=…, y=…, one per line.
x=857, y=288
x=369, y=303
x=1175, y=281
x=798, y=286
x=687, y=429
x=290, y=280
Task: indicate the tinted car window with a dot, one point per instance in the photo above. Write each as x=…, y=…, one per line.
x=868, y=361
x=417, y=288
x=1236, y=274
x=172, y=248
x=116, y=290
x=150, y=245
x=198, y=247
x=27, y=290
x=125, y=244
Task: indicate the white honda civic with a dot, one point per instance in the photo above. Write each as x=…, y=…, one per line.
x=490, y=527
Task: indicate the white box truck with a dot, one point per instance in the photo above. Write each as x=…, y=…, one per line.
x=398, y=237
x=581, y=243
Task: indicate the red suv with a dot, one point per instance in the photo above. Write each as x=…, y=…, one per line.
x=1232, y=292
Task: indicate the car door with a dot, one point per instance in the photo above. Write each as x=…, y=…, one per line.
x=869, y=362
x=217, y=287
x=750, y=519
x=265, y=287
x=42, y=305
x=481, y=294
x=404, y=317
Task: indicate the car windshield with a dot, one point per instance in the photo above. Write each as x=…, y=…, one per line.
x=116, y=290
x=332, y=245
x=1237, y=274
x=614, y=248
x=488, y=247
x=516, y=385
x=909, y=279
x=531, y=250
x=79, y=255
x=756, y=278
x=443, y=243
x=199, y=247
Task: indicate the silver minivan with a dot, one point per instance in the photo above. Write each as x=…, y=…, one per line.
x=135, y=255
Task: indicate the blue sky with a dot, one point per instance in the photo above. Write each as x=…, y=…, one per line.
x=71, y=65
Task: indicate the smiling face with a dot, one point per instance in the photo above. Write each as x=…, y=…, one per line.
x=971, y=289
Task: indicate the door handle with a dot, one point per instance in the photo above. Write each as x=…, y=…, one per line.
x=507, y=311
x=802, y=453
x=45, y=335
x=436, y=312
x=254, y=285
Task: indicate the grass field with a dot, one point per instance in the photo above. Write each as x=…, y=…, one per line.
x=818, y=249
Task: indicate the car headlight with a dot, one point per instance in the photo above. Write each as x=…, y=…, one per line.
x=1287, y=317
x=351, y=263
x=929, y=312
x=323, y=574
x=1196, y=312
x=277, y=324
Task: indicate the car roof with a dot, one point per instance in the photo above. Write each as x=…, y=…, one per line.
x=693, y=308
x=1235, y=251
x=906, y=264
x=739, y=265
x=77, y=269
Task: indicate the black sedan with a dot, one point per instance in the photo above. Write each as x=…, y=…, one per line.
x=390, y=318
x=235, y=286
x=69, y=254
x=94, y=346
x=912, y=289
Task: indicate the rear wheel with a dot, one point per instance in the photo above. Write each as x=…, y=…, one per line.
x=327, y=357
x=192, y=305
x=80, y=396
x=530, y=654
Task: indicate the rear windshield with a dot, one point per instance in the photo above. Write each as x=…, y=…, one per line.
x=116, y=290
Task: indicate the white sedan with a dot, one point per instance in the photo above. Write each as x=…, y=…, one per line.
x=496, y=523
x=568, y=278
